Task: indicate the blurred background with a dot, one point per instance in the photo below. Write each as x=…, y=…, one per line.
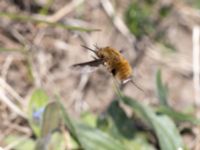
x=41, y=39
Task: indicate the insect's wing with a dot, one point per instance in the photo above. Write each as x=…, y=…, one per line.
x=94, y=63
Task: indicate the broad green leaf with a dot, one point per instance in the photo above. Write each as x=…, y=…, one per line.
x=89, y=118
x=37, y=104
x=90, y=138
x=107, y=124
x=164, y=128
x=178, y=116
x=39, y=99
x=50, y=122
x=51, y=118
x=124, y=124
x=161, y=89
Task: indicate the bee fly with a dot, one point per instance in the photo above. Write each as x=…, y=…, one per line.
x=114, y=61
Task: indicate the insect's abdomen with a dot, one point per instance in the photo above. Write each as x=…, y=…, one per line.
x=124, y=71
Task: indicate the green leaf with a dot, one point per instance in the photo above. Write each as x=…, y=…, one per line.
x=164, y=128
x=50, y=122
x=124, y=124
x=38, y=101
x=179, y=116
x=90, y=138
x=161, y=89
x=51, y=118
x=89, y=118
x=104, y=122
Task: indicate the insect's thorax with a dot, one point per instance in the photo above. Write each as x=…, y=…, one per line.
x=109, y=54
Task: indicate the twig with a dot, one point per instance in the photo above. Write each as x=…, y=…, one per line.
x=10, y=104
x=117, y=21
x=196, y=67
x=77, y=94
x=64, y=11
x=11, y=91
x=16, y=127
x=6, y=66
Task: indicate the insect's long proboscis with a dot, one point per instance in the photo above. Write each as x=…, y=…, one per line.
x=89, y=48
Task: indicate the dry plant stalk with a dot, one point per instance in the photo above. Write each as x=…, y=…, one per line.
x=196, y=61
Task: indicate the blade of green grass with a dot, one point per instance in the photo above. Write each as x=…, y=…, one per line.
x=51, y=118
x=50, y=122
x=161, y=89
x=178, y=116
x=25, y=18
x=4, y=49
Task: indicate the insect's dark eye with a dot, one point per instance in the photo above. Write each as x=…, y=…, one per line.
x=113, y=71
x=101, y=56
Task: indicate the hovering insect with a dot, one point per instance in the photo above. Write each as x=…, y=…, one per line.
x=113, y=60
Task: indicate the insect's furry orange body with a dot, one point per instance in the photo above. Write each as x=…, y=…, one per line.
x=113, y=60
x=115, y=63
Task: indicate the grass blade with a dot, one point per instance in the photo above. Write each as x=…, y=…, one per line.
x=24, y=18
x=161, y=89
x=178, y=116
